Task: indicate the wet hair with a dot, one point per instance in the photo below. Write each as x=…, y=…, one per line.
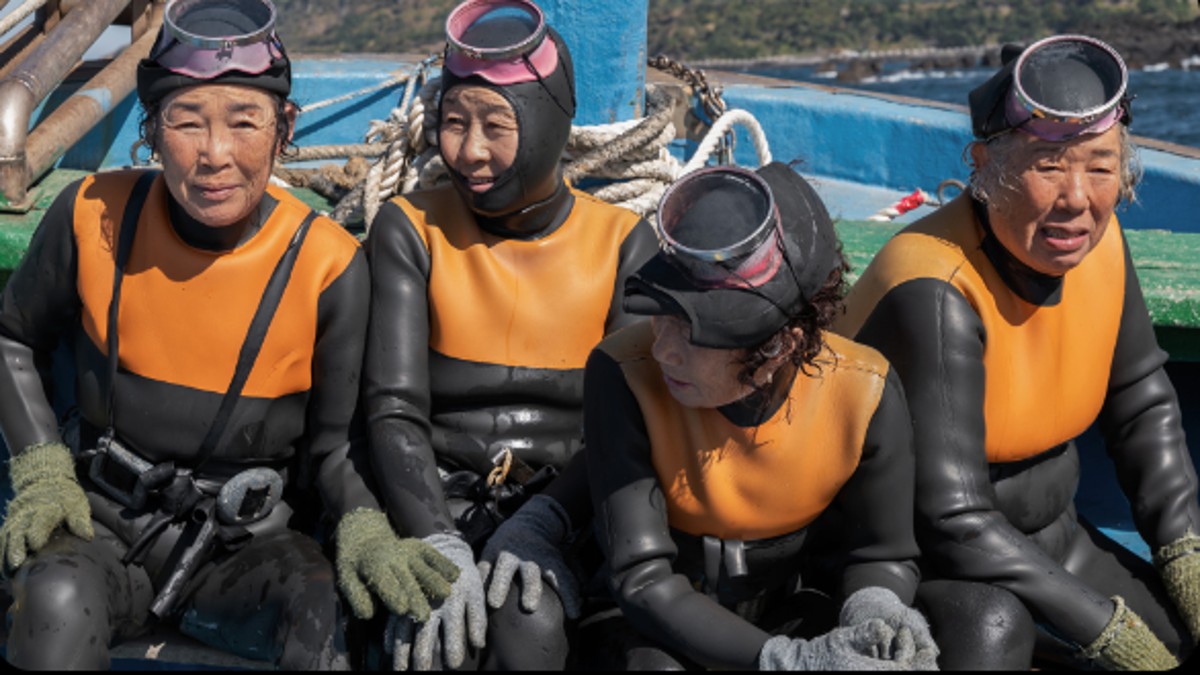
x=814, y=318
x=989, y=182
x=148, y=124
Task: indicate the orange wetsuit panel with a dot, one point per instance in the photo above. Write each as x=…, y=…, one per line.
x=538, y=303
x=1046, y=367
x=751, y=483
x=185, y=311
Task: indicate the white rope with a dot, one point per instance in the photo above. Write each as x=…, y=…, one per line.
x=708, y=145
x=24, y=10
x=390, y=82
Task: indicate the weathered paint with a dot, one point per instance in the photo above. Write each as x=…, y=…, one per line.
x=607, y=39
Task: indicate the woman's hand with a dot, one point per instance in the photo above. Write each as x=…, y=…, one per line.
x=441, y=640
x=530, y=544
x=47, y=495
x=405, y=573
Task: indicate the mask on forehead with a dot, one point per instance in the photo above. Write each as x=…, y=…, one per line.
x=538, y=82
x=215, y=42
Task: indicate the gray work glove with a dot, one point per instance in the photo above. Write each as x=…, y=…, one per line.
x=870, y=645
x=530, y=543
x=442, y=640
x=1127, y=643
x=406, y=573
x=877, y=602
x=46, y=496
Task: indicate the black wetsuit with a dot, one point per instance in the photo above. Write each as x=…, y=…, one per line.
x=186, y=304
x=479, y=332
x=1003, y=368
x=712, y=519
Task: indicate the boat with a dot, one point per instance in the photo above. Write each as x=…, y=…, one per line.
x=877, y=160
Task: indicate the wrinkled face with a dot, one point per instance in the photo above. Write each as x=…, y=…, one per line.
x=698, y=377
x=478, y=135
x=1061, y=198
x=218, y=144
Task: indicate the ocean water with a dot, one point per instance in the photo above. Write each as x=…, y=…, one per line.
x=1167, y=104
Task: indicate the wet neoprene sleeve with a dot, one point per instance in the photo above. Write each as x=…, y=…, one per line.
x=634, y=533
x=396, y=377
x=936, y=341
x=1143, y=431
x=30, y=330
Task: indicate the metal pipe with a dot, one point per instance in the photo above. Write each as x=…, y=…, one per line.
x=38, y=74
x=18, y=47
x=76, y=116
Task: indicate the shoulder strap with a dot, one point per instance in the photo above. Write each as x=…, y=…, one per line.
x=254, y=340
x=129, y=221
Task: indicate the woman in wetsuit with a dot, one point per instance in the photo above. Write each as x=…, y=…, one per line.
x=1014, y=318
x=216, y=332
x=751, y=472
x=488, y=294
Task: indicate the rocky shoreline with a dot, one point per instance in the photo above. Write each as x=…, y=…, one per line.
x=1142, y=44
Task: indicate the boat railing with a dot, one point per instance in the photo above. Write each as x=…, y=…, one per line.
x=34, y=61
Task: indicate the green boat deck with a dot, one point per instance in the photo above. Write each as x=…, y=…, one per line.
x=1168, y=263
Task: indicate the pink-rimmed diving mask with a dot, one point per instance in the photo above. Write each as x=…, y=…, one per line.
x=206, y=49
x=502, y=41
x=1066, y=86
x=720, y=226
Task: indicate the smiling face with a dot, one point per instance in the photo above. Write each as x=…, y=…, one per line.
x=478, y=135
x=218, y=145
x=1058, y=199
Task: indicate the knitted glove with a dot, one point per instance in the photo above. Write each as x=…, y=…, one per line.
x=865, y=646
x=877, y=602
x=46, y=495
x=1179, y=567
x=405, y=573
x=529, y=543
x=442, y=640
x=1127, y=643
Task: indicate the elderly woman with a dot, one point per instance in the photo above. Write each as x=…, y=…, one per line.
x=752, y=472
x=488, y=294
x=216, y=327
x=1015, y=320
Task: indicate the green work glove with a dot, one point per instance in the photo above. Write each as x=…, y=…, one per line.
x=46, y=495
x=1127, y=643
x=1179, y=565
x=405, y=573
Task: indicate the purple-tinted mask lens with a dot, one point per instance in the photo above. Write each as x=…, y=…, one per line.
x=206, y=39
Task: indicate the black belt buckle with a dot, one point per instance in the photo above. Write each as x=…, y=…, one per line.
x=117, y=471
x=249, y=496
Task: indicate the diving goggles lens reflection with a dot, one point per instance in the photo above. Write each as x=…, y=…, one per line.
x=503, y=41
x=205, y=48
x=1066, y=85
x=720, y=225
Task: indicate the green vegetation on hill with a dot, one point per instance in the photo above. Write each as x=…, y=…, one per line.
x=697, y=29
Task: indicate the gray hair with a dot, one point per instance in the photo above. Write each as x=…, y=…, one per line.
x=996, y=177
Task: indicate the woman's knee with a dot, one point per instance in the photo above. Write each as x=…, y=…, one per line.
x=978, y=626
x=521, y=640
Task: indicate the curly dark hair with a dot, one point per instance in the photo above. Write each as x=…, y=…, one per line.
x=148, y=124
x=813, y=319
